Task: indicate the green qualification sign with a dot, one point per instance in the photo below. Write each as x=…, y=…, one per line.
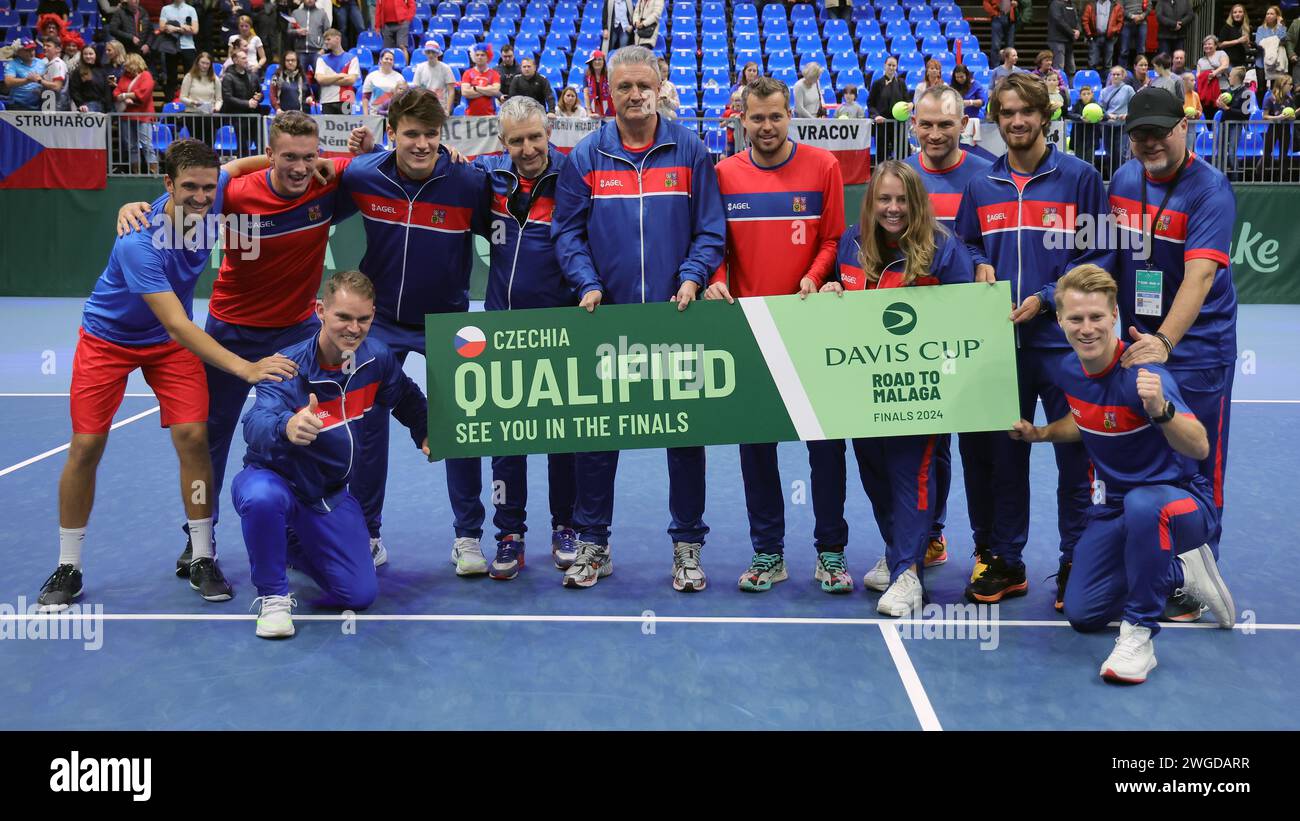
x=765, y=369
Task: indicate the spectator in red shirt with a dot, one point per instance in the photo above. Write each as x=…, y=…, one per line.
x=134, y=93
x=393, y=21
x=480, y=86
x=595, y=88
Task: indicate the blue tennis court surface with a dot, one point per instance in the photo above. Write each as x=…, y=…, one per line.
x=438, y=651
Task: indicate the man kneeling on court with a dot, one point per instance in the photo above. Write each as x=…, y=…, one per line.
x=301, y=449
x=1150, y=504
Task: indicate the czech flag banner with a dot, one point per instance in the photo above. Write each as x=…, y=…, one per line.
x=53, y=149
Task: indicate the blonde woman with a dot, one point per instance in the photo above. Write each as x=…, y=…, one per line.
x=1273, y=26
x=114, y=61
x=808, y=94
x=201, y=94
x=897, y=243
x=933, y=77
x=252, y=44
x=1235, y=38
x=134, y=94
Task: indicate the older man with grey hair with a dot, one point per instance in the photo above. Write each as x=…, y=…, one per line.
x=523, y=272
x=638, y=218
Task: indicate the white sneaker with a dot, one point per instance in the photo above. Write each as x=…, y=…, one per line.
x=1201, y=578
x=1133, y=657
x=377, y=551
x=903, y=598
x=468, y=557
x=877, y=578
x=688, y=575
x=592, y=562
x=274, y=621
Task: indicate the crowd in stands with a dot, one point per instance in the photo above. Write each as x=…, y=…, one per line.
x=840, y=60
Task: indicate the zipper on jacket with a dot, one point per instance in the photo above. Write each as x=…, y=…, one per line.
x=1020, y=210
x=519, y=240
x=640, y=203
x=406, y=237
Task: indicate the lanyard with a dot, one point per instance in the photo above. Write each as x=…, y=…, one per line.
x=1173, y=183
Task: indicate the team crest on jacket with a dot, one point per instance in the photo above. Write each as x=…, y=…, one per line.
x=1163, y=223
x=670, y=179
x=313, y=213
x=1108, y=420
x=439, y=216
x=1049, y=216
x=800, y=204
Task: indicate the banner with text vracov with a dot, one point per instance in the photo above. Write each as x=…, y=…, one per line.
x=766, y=369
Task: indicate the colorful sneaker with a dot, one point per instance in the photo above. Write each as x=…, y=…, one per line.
x=468, y=557
x=983, y=558
x=207, y=579
x=377, y=551
x=509, y=558
x=937, y=553
x=61, y=589
x=997, y=583
x=688, y=576
x=833, y=572
x=1062, y=576
x=1201, y=578
x=1133, y=657
x=765, y=570
x=877, y=578
x=274, y=621
x=591, y=562
x=564, y=546
x=903, y=598
x=1184, y=607
x=186, y=558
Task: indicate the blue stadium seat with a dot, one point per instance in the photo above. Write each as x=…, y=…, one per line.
x=851, y=76
x=969, y=43
x=842, y=44
x=365, y=58
x=911, y=61
x=370, y=39
x=808, y=43
x=463, y=40
x=713, y=25
x=683, y=76
x=441, y=26
x=891, y=14
x=776, y=42
x=934, y=44
x=508, y=11
x=714, y=42
x=956, y=28
x=714, y=9
x=903, y=45
x=862, y=12
x=479, y=10
x=472, y=25
x=586, y=43
x=835, y=27
x=744, y=10
x=897, y=29
x=688, y=97
x=840, y=61
x=399, y=59
x=446, y=9
x=177, y=108
x=868, y=27
x=503, y=25
x=1086, y=77
x=224, y=141
x=684, y=40
x=803, y=11
x=577, y=75
x=785, y=74
x=408, y=74
x=748, y=55
x=497, y=42
x=948, y=61
x=805, y=25
x=683, y=57
x=715, y=76
x=529, y=43
x=872, y=42
x=746, y=42
x=928, y=28
x=772, y=11
x=975, y=60
x=553, y=57
x=779, y=59
x=559, y=41
x=948, y=13
x=716, y=59
x=686, y=25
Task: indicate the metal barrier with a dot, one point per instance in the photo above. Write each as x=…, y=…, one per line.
x=1253, y=151
x=136, y=141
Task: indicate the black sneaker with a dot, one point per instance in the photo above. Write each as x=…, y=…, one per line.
x=1062, y=576
x=205, y=577
x=997, y=583
x=1183, y=607
x=186, y=557
x=61, y=589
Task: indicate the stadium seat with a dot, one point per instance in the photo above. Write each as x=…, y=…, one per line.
x=842, y=44
x=850, y=76
x=785, y=74
x=909, y=62
x=714, y=42
x=508, y=11
x=586, y=43
x=897, y=29
x=528, y=43
x=872, y=42
x=577, y=75
x=371, y=40
x=928, y=28
x=715, y=10
x=746, y=43
x=715, y=76
x=559, y=41
x=840, y=61
x=684, y=40
x=948, y=61
x=868, y=27
x=776, y=42
x=463, y=40
x=553, y=57
x=365, y=59
x=479, y=10
x=472, y=25
x=956, y=28
x=747, y=56
x=934, y=45
x=975, y=60
x=224, y=142
x=862, y=13
x=805, y=25
x=807, y=44
x=803, y=11
x=903, y=45
x=1086, y=77
x=891, y=14
x=717, y=59
x=177, y=108
x=835, y=27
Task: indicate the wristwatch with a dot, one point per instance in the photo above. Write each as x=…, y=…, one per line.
x=1166, y=416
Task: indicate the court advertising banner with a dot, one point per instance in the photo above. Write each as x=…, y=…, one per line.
x=765, y=369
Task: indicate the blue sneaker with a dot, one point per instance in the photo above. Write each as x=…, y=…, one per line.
x=510, y=558
x=564, y=547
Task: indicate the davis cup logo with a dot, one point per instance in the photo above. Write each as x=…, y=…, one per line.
x=470, y=341
x=899, y=318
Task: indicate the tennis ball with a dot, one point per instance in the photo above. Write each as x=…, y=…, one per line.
x=1189, y=111
x=1225, y=98
x=843, y=115
x=1093, y=113
x=1056, y=115
x=1288, y=112
x=902, y=110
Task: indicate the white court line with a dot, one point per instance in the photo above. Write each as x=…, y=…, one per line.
x=911, y=681
x=492, y=617
x=38, y=457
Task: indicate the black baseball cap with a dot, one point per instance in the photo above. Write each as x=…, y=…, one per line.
x=1153, y=107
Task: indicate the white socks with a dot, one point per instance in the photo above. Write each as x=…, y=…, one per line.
x=201, y=538
x=70, y=542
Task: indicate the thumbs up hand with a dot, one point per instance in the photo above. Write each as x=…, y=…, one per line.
x=305, y=425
